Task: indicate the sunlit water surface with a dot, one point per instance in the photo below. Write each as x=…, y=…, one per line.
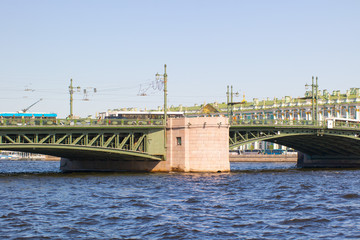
x=254, y=201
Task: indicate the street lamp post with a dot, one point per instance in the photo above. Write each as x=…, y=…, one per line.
x=227, y=101
x=314, y=100
x=164, y=76
x=230, y=104
x=165, y=95
x=71, y=91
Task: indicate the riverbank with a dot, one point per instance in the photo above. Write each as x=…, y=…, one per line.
x=17, y=158
x=263, y=158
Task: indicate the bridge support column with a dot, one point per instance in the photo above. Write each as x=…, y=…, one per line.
x=198, y=144
x=330, y=161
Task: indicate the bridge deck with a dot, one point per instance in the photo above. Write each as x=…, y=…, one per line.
x=111, y=139
x=81, y=122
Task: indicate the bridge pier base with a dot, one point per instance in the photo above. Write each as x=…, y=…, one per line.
x=107, y=165
x=330, y=161
x=198, y=144
x=192, y=145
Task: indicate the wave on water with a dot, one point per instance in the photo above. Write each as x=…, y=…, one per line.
x=254, y=201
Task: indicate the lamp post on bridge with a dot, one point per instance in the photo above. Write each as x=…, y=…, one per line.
x=230, y=104
x=314, y=100
x=164, y=77
x=71, y=91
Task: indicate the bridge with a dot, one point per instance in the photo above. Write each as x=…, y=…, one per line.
x=129, y=140
x=319, y=145
x=140, y=144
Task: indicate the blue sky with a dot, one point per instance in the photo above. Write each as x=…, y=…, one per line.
x=262, y=48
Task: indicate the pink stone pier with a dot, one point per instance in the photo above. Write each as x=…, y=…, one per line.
x=196, y=145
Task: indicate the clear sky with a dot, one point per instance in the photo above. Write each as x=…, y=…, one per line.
x=263, y=48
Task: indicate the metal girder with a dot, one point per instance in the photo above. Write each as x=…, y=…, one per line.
x=44, y=139
x=122, y=139
x=27, y=139
x=312, y=140
x=78, y=151
x=8, y=138
x=249, y=135
x=240, y=135
x=322, y=145
x=137, y=144
x=93, y=140
x=77, y=139
x=304, y=144
x=256, y=135
x=106, y=144
x=122, y=144
x=61, y=139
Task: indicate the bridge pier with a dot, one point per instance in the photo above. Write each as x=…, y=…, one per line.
x=198, y=144
x=328, y=161
x=192, y=145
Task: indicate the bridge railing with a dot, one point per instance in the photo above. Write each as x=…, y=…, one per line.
x=339, y=124
x=270, y=122
x=303, y=123
x=80, y=122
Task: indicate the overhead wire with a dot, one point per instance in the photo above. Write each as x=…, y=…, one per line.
x=107, y=93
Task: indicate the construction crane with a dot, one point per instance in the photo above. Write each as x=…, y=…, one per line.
x=26, y=109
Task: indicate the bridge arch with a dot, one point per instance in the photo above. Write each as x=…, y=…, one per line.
x=318, y=146
x=81, y=152
x=312, y=144
x=326, y=144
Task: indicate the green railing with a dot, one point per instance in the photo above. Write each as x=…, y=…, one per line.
x=339, y=124
x=271, y=122
x=80, y=122
x=295, y=123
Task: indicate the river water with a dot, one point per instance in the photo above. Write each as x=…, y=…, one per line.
x=254, y=201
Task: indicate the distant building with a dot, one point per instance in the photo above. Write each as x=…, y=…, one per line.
x=335, y=105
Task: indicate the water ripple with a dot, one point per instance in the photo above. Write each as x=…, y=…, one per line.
x=255, y=201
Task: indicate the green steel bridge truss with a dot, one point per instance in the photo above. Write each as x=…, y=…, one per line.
x=112, y=141
x=304, y=136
